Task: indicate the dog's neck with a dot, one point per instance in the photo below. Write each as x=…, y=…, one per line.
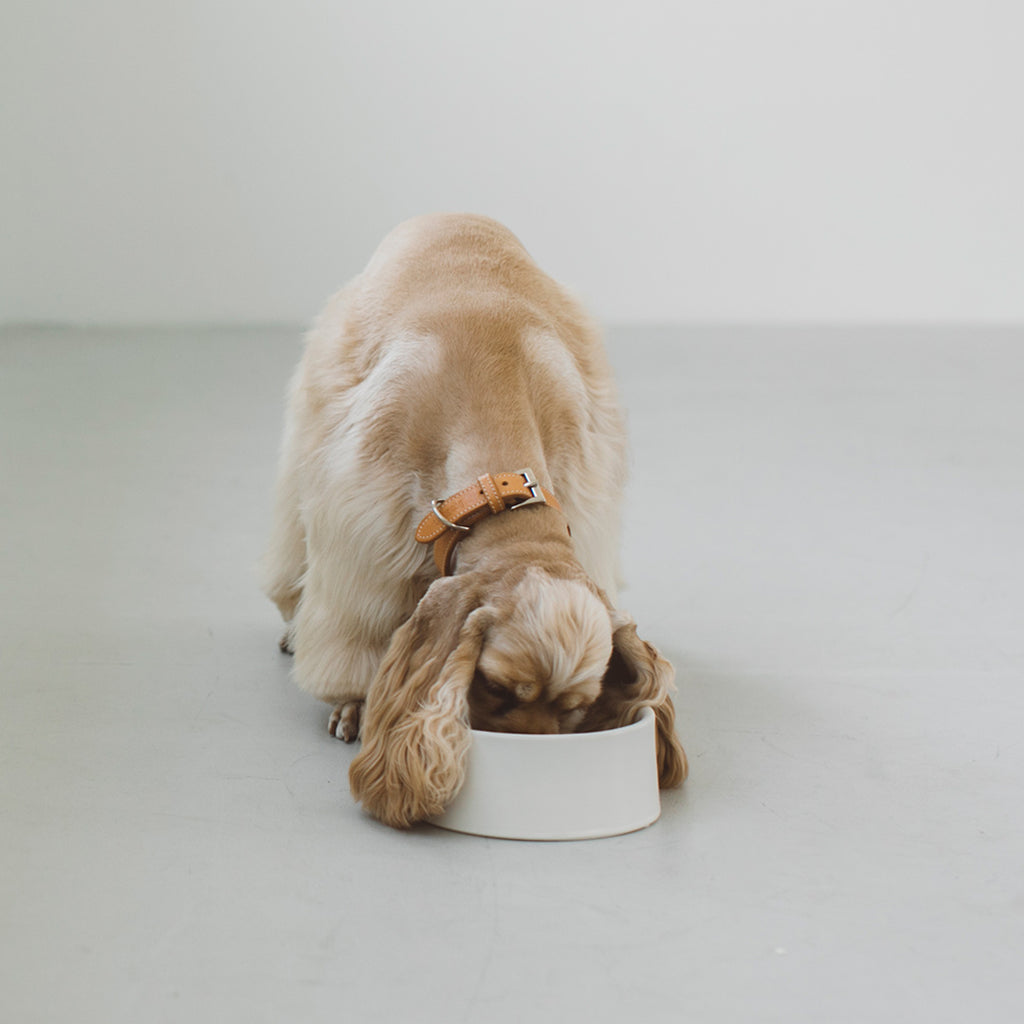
x=530, y=536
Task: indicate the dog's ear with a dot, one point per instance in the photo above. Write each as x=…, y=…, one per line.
x=639, y=677
x=416, y=728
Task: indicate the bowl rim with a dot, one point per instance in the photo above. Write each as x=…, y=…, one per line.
x=596, y=736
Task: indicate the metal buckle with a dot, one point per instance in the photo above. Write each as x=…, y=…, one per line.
x=435, y=507
x=537, y=496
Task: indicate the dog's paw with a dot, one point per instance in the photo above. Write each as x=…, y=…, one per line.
x=345, y=720
x=285, y=643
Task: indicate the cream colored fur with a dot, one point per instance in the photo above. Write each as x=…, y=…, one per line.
x=452, y=355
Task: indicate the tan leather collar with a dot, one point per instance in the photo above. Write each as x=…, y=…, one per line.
x=450, y=520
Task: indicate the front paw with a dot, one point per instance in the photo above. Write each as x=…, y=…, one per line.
x=345, y=721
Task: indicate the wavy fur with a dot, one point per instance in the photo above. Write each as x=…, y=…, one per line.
x=453, y=355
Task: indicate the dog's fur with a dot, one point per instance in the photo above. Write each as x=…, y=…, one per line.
x=451, y=356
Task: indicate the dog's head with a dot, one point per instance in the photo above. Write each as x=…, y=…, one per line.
x=542, y=657
x=523, y=652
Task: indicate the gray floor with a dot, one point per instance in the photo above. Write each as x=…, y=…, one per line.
x=825, y=535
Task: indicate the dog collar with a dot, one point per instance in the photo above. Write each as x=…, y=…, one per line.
x=449, y=520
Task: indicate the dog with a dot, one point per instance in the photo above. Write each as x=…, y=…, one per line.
x=428, y=584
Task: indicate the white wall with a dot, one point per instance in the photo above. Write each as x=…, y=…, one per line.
x=234, y=160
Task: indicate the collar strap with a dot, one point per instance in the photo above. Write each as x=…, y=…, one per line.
x=450, y=520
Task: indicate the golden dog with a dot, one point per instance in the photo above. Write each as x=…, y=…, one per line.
x=419, y=569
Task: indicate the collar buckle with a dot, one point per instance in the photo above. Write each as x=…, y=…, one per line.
x=531, y=484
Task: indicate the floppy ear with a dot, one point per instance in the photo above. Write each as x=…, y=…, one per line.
x=416, y=728
x=639, y=677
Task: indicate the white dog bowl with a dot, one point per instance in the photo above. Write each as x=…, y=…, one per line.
x=573, y=786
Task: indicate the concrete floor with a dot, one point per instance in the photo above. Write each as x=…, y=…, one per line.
x=826, y=535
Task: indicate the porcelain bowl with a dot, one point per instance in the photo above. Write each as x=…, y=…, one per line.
x=573, y=786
